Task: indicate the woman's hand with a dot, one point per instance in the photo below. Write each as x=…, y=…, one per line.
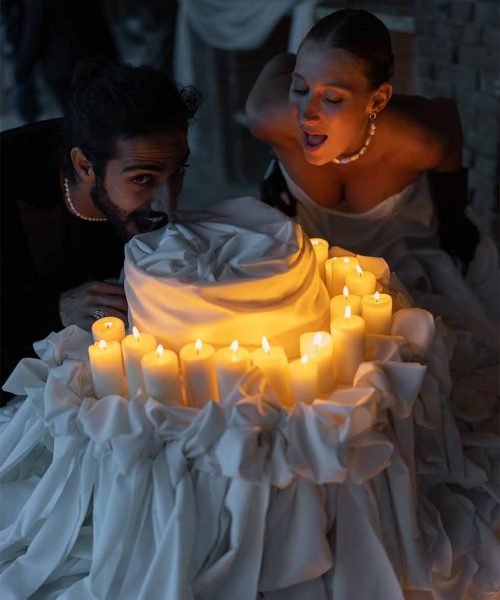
x=77, y=306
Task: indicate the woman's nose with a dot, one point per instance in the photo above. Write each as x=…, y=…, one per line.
x=308, y=111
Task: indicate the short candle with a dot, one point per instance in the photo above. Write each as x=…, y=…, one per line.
x=319, y=349
x=134, y=347
x=361, y=282
x=337, y=270
x=273, y=363
x=106, y=365
x=339, y=302
x=109, y=329
x=348, y=337
x=377, y=313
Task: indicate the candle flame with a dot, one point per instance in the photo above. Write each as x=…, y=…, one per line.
x=377, y=297
x=135, y=332
x=234, y=346
x=347, y=312
x=304, y=359
x=102, y=345
x=315, y=242
x=346, y=260
x=346, y=292
x=265, y=344
x=359, y=270
x=108, y=324
x=198, y=345
x=159, y=350
x=317, y=339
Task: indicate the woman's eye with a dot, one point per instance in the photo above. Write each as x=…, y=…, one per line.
x=334, y=100
x=299, y=91
x=141, y=179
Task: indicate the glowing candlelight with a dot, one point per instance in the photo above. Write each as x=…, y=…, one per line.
x=160, y=370
x=303, y=379
x=109, y=329
x=336, y=270
x=361, y=282
x=273, y=363
x=134, y=347
x=348, y=339
x=377, y=312
x=231, y=364
x=318, y=347
x=199, y=375
x=107, y=368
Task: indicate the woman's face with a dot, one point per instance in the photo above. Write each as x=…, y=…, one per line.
x=333, y=100
x=142, y=181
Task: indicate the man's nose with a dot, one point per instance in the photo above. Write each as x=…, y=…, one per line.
x=164, y=201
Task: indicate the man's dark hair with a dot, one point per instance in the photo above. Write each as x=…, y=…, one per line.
x=116, y=100
x=362, y=34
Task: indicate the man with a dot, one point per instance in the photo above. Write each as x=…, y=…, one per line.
x=75, y=190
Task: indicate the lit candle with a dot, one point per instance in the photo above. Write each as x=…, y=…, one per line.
x=319, y=349
x=106, y=365
x=273, y=363
x=109, y=329
x=134, y=347
x=321, y=250
x=198, y=372
x=303, y=380
x=338, y=304
x=361, y=282
x=337, y=269
x=348, y=336
x=160, y=370
x=231, y=364
x=377, y=313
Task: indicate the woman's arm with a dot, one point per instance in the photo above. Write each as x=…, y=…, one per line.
x=269, y=114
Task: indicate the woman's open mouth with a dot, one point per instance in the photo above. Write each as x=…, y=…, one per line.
x=314, y=141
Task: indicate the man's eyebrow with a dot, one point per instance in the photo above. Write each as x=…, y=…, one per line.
x=144, y=166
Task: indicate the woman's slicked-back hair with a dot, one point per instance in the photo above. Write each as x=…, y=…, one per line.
x=116, y=100
x=362, y=34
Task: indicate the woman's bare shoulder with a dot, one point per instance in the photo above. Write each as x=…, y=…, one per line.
x=427, y=130
x=270, y=116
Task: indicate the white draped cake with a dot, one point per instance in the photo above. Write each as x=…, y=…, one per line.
x=240, y=271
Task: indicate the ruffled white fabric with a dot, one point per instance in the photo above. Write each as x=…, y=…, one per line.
x=240, y=271
x=365, y=494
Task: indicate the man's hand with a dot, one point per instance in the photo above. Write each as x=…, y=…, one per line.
x=76, y=306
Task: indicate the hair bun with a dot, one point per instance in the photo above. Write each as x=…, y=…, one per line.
x=89, y=70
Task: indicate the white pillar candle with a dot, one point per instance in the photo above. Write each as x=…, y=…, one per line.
x=361, y=282
x=160, y=370
x=319, y=349
x=231, y=364
x=198, y=372
x=337, y=269
x=303, y=380
x=377, y=313
x=106, y=364
x=273, y=363
x=321, y=250
x=338, y=304
x=134, y=347
x=109, y=329
x=348, y=336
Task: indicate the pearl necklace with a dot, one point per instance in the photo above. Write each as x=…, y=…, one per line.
x=73, y=208
x=362, y=150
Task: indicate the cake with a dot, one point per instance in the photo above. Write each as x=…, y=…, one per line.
x=241, y=270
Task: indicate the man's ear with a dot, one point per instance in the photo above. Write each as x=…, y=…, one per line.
x=82, y=166
x=380, y=98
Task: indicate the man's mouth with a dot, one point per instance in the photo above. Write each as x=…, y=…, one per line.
x=314, y=141
x=151, y=221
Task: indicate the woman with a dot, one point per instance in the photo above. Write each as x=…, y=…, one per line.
x=74, y=192
x=351, y=159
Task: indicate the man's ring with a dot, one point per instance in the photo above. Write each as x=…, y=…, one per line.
x=99, y=313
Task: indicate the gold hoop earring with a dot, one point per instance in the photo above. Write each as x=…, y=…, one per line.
x=372, y=116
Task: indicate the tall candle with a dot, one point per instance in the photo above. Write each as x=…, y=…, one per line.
x=303, y=380
x=106, y=365
x=319, y=349
x=361, y=282
x=134, y=347
x=231, y=364
x=348, y=336
x=338, y=304
x=321, y=250
x=337, y=269
x=160, y=370
x=198, y=372
x=273, y=363
x=109, y=329
x=377, y=313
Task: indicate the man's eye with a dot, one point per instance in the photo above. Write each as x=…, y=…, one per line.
x=181, y=170
x=141, y=179
x=298, y=91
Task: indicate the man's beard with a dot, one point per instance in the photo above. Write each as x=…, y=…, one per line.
x=126, y=225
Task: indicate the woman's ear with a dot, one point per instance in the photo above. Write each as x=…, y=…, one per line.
x=82, y=166
x=380, y=98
